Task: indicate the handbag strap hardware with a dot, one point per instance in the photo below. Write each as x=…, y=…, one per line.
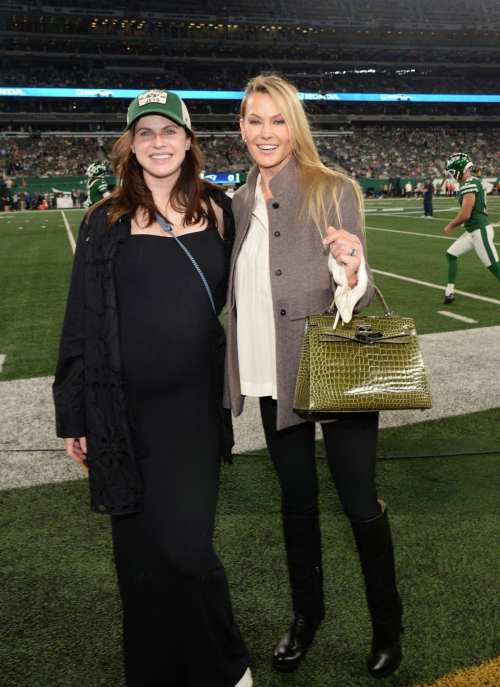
x=166, y=227
x=335, y=336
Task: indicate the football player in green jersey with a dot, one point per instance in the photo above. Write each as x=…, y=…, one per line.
x=474, y=216
x=97, y=187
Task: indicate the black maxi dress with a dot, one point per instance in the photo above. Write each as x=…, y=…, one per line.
x=179, y=629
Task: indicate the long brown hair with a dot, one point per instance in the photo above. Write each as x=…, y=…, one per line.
x=315, y=177
x=132, y=194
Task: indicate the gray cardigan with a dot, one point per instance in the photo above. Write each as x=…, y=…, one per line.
x=301, y=282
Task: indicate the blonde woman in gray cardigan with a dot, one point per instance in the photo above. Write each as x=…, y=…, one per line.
x=299, y=239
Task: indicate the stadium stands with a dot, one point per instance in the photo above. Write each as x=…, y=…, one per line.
x=368, y=152
x=392, y=49
x=342, y=78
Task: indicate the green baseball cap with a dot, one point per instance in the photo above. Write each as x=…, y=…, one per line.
x=163, y=103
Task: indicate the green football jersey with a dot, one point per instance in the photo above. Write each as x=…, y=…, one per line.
x=478, y=218
x=96, y=189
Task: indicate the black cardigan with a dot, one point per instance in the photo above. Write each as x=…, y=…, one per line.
x=90, y=390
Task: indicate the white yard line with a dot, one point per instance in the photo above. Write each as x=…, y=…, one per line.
x=447, y=313
x=70, y=235
x=416, y=233
x=416, y=212
x=2, y=360
x=436, y=286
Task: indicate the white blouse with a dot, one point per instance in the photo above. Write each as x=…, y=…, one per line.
x=254, y=304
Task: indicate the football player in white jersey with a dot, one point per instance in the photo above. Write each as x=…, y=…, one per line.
x=474, y=216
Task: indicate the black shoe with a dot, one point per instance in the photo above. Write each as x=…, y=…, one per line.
x=449, y=299
x=386, y=654
x=376, y=554
x=292, y=647
x=303, y=552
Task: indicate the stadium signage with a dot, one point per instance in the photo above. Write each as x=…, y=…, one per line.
x=265, y=20
x=347, y=23
x=78, y=11
x=94, y=92
x=319, y=96
x=222, y=178
x=178, y=17
x=427, y=25
x=12, y=91
x=487, y=27
x=129, y=93
x=13, y=8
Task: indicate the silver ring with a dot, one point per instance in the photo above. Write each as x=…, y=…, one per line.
x=353, y=252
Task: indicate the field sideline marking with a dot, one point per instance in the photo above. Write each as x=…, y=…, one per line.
x=395, y=214
x=406, y=212
x=416, y=233
x=487, y=673
x=436, y=286
x=2, y=360
x=447, y=313
x=70, y=235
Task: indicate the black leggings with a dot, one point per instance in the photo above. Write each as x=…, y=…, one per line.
x=351, y=448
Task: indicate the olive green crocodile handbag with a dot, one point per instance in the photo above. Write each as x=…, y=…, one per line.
x=371, y=363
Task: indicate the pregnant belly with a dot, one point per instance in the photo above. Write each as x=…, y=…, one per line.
x=166, y=356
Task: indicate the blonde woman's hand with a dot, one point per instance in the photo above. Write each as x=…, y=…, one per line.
x=342, y=244
x=76, y=448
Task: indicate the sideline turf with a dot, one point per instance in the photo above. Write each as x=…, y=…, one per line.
x=61, y=606
x=485, y=675
x=35, y=267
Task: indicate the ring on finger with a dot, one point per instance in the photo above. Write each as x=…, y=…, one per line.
x=353, y=252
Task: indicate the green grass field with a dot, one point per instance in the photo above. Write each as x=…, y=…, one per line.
x=36, y=257
x=59, y=605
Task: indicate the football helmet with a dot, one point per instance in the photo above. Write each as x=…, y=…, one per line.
x=457, y=164
x=96, y=169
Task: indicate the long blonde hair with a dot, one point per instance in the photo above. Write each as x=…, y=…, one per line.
x=315, y=177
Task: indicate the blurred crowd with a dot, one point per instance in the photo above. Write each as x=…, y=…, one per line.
x=35, y=156
x=26, y=73
x=400, y=10
x=404, y=151
x=367, y=152
x=415, y=79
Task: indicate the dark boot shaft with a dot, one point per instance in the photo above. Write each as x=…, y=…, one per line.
x=303, y=552
x=376, y=554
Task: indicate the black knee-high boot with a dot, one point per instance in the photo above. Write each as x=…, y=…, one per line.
x=303, y=552
x=374, y=543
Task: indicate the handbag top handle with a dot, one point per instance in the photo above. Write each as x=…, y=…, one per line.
x=388, y=313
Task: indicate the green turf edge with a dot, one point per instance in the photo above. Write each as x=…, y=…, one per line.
x=61, y=609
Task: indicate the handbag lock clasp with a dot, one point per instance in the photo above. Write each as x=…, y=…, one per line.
x=369, y=338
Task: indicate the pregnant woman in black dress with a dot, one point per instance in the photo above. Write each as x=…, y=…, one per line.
x=179, y=628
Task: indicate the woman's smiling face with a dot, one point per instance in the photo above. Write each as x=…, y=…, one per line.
x=266, y=132
x=160, y=145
